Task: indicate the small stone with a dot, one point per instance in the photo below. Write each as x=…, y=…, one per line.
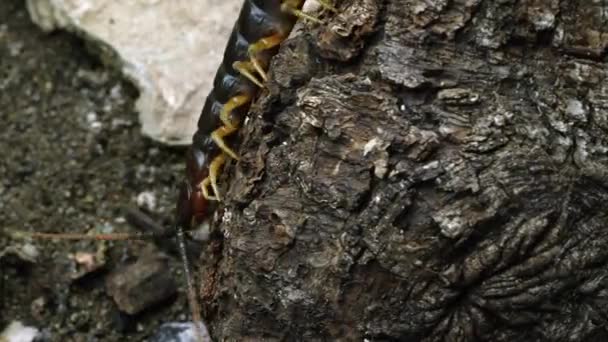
x=17, y=332
x=142, y=284
x=147, y=200
x=179, y=332
x=93, y=121
x=576, y=109
x=15, y=49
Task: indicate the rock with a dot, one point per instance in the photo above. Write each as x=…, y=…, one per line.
x=147, y=200
x=170, y=49
x=142, y=284
x=17, y=332
x=179, y=332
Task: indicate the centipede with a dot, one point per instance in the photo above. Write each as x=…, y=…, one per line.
x=261, y=27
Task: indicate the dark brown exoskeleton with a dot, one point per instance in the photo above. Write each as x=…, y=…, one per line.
x=262, y=25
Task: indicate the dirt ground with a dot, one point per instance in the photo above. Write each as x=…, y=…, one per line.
x=72, y=157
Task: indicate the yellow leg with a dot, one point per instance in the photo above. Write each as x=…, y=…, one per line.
x=214, y=171
x=230, y=126
x=205, y=189
x=218, y=137
x=265, y=43
x=232, y=104
x=246, y=69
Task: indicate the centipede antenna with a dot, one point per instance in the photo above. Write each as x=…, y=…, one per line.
x=192, y=300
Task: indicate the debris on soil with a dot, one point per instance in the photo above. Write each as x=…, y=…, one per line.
x=179, y=332
x=87, y=263
x=17, y=332
x=141, y=285
x=147, y=200
x=39, y=308
x=24, y=253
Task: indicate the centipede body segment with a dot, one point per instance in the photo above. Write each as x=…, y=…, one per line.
x=261, y=27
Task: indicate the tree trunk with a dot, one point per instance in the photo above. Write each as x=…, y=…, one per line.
x=422, y=170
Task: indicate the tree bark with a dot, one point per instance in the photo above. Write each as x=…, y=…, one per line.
x=422, y=170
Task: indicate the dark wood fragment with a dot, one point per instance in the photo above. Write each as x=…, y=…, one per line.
x=142, y=284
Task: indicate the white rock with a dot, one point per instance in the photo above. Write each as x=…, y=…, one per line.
x=147, y=200
x=17, y=332
x=169, y=48
x=180, y=332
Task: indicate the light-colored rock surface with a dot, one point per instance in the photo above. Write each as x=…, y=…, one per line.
x=169, y=48
x=17, y=332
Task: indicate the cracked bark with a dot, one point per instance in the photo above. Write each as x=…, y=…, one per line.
x=423, y=170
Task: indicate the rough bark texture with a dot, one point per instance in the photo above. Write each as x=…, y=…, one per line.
x=423, y=170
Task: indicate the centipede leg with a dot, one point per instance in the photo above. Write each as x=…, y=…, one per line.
x=214, y=171
x=205, y=190
x=246, y=69
x=232, y=104
x=218, y=137
x=265, y=43
x=229, y=126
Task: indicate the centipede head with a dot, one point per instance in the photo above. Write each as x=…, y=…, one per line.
x=192, y=207
x=192, y=211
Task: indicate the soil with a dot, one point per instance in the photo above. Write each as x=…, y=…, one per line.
x=73, y=158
